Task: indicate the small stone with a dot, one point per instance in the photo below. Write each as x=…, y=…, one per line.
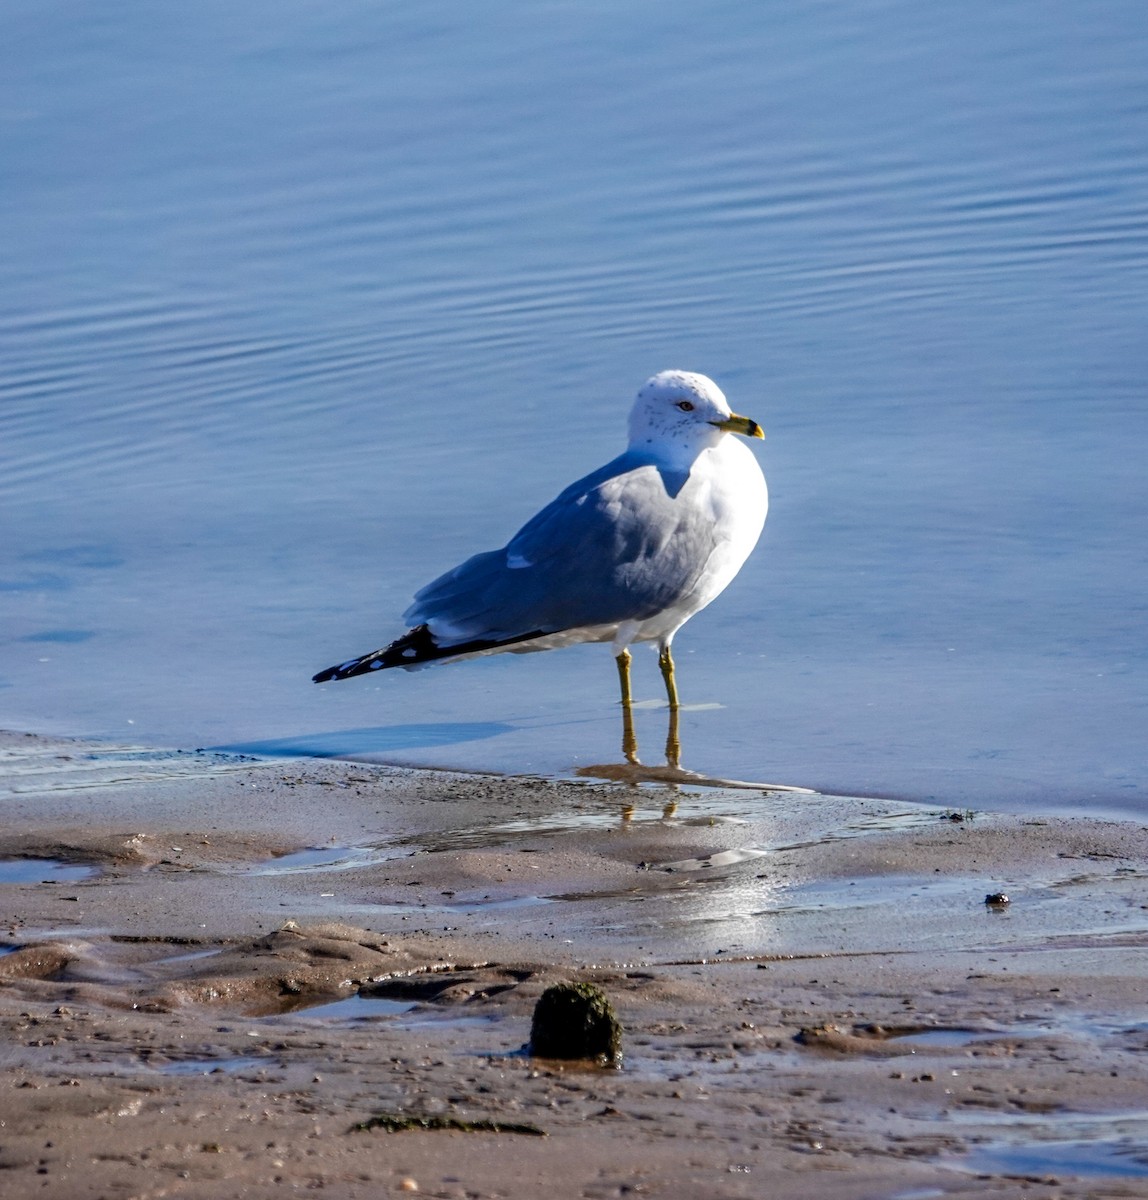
x=996, y=900
x=408, y=1185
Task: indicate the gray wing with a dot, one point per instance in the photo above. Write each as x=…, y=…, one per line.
x=622, y=544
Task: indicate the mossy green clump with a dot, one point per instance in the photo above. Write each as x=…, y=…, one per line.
x=576, y=1021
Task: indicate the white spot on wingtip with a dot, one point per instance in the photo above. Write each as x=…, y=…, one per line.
x=376, y=665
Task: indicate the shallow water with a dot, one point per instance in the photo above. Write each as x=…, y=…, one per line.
x=210, y=1066
x=322, y=859
x=353, y=1008
x=42, y=870
x=1105, y=1156
x=300, y=306
x=1066, y=1144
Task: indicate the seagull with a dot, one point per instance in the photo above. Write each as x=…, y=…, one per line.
x=626, y=554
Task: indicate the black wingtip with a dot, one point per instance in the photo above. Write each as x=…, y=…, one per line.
x=375, y=661
x=415, y=647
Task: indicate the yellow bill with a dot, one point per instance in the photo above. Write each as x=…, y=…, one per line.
x=743, y=425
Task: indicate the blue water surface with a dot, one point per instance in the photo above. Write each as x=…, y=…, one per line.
x=300, y=304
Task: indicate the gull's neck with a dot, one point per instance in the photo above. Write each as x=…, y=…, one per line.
x=678, y=452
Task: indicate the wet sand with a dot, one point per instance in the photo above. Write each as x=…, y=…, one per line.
x=817, y=1000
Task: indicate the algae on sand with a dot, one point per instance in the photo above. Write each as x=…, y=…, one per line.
x=401, y=1123
x=576, y=1021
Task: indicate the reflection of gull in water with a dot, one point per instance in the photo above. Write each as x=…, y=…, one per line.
x=627, y=554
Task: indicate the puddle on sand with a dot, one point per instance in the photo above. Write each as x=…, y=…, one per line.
x=650, y=806
x=73, y=933
x=945, y=1038
x=216, y=1066
x=43, y=870
x=1118, y=1156
x=486, y=904
x=910, y=1039
x=191, y=956
x=350, y=1008
x=875, y=891
x=837, y=817
x=323, y=858
x=915, y=817
x=1059, y=1144
x=439, y=1022
x=860, y=827
x=487, y=837
x=492, y=904
x=720, y=858
x=1062, y=1025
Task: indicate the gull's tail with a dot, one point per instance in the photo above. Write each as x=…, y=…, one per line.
x=416, y=648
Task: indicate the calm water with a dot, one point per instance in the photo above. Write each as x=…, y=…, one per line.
x=301, y=303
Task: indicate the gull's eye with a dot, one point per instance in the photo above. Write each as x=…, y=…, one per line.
x=685, y=406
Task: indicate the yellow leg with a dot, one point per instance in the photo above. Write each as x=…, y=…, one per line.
x=629, y=738
x=673, y=744
x=666, y=662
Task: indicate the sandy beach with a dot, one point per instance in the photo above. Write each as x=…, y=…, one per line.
x=233, y=977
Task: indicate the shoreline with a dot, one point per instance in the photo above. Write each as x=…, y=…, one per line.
x=977, y=788
x=816, y=998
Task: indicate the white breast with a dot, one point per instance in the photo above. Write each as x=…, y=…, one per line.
x=727, y=482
